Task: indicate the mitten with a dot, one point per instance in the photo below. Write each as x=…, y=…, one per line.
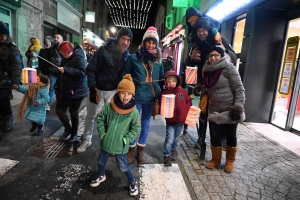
x=94, y=98
x=235, y=113
x=197, y=89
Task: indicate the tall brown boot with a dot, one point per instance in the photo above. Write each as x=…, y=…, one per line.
x=230, y=158
x=140, y=152
x=130, y=154
x=216, y=153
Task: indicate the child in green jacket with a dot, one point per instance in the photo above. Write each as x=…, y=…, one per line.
x=118, y=125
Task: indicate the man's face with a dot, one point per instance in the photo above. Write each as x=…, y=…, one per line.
x=123, y=43
x=31, y=41
x=202, y=33
x=58, y=39
x=3, y=37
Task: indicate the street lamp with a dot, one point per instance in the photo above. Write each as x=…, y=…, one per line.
x=113, y=30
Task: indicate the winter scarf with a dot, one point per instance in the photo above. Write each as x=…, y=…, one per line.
x=121, y=108
x=29, y=95
x=212, y=72
x=152, y=54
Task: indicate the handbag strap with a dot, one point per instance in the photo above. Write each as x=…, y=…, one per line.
x=147, y=76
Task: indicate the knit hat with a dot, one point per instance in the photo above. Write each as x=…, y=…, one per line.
x=126, y=85
x=124, y=31
x=3, y=29
x=66, y=47
x=217, y=48
x=203, y=22
x=172, y=77
x=43, y=79
x=151, y=34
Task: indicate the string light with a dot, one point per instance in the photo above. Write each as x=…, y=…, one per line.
x=129, y=13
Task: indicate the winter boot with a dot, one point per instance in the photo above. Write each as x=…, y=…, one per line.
x=230, y=158
x=34, y=127
x=167, y=161
x=216, y=157
x=8, y=123
x=130, y=154
x=140, y=152
x=40, y=130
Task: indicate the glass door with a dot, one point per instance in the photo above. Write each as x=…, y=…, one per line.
x=238, y=39
x=286, y=111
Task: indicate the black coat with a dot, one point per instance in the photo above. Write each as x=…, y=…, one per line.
x=72, y=84
x=104, y=69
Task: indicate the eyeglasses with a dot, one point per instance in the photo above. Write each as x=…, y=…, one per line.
x=214, y=55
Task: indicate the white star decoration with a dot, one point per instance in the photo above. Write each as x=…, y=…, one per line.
x=129, y=13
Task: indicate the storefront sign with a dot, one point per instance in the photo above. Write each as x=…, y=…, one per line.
x=90, y=16
x=288, y=68
x=91, y=38
x=68, y=16
x=169, y=21
x=180, y=3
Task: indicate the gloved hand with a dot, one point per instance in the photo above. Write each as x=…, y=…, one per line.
x=197, y=89
x=235, y=113
x=94, y=98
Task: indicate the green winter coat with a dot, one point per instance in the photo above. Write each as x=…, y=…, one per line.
x=116, y=130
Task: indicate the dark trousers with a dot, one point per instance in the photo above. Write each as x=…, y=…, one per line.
x=5, y=107
x=216, y=132
x=61, y=111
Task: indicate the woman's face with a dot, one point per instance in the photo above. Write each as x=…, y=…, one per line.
x=213, y=56
x=48, y=43
x=150, y=45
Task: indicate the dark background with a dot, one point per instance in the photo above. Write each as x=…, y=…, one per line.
x=139, y=33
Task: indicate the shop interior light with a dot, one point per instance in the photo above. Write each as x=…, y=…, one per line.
x=129, y=13
x=226, y=7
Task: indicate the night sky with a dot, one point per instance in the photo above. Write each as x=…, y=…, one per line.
x=138, y=33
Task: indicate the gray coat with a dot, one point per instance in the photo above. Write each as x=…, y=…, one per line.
x=228, y=91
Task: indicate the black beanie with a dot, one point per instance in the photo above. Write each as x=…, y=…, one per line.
x=3, y=29
x=124, y=31
x=203, y=22
x=217, y=48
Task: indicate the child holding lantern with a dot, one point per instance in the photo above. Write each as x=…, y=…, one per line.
x=174, y=125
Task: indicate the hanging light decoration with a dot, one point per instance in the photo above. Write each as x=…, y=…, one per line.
x=129, y=13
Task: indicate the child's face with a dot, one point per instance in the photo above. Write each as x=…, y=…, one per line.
x=171, y=83
x=39, y=81
x=125, y=97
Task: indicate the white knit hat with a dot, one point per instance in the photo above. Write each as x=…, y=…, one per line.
x=151, y=34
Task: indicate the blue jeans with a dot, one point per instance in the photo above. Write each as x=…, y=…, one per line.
x=122, y=163
x=51, y=88
x=145, y=122
x=172, y=137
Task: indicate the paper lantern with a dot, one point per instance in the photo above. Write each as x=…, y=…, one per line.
x=191, y=75
x=192, y=116
x=29, y=75
x=167, y=105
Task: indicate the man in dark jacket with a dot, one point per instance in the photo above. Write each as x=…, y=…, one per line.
x=43, y=65
x=54, y=56
x=10, y=72
x=103, y=74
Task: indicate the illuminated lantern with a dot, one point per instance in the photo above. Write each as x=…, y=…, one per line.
x=167, y=105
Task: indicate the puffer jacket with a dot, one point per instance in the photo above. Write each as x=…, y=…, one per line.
x=183, y=101
x=143, y=91
x=116, y=130
x=104, y=68
x=10, y=64
x=36, y=113
x=228, y=91
x=72, y=84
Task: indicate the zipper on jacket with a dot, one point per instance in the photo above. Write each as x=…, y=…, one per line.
x=115, y=128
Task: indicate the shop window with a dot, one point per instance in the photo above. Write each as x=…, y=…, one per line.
x=238, y=38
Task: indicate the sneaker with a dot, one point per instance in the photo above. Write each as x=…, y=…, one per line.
x=73, y=138
x=167, y=161
x=64, y=136
x=85, y=144
x=48, y=107
x=133, y=188
x=173, y=155
x=97, y=180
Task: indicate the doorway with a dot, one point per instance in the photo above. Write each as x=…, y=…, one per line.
x=286, y=110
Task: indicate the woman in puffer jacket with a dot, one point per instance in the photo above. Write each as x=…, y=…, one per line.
x=71, y=87
x=226, y=105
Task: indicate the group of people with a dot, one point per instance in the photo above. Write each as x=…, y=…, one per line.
x=125, y=88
